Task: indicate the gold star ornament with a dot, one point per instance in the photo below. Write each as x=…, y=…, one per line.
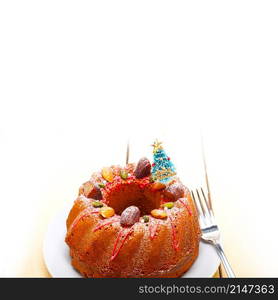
x=156, y=145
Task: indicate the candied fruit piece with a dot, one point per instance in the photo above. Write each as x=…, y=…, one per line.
x=168, y=205
x=157, y=186
x=107, y=174
x=159, y=214
x=107, y=212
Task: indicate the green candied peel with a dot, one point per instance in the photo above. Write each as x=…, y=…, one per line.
x=146, y=219
x=151, y=179
x=169, y=205
x=101, y=185
x=97, y=204
x=124, y=174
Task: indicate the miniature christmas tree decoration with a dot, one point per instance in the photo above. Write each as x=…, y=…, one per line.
x=163, y=169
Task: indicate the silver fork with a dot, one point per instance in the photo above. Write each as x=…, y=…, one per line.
x=209, y=229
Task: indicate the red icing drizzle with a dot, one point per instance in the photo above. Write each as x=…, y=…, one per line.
x=175, y=242
x=153, y=228
x=103, y=224
x=186, y=206
x=81, y=216
x=122, y=237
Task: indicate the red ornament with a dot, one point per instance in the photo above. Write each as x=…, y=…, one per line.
x=168, y=158
x=153, y=164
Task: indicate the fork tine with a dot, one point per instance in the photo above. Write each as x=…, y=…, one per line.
x=199, y=210
x=206, y=215
x=197, y=205
x=201, y=203
x=208, y=209
x=206, y=201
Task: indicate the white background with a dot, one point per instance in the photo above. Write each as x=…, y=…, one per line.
x=78, y=78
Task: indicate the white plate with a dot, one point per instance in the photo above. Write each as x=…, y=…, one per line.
x=58, y=261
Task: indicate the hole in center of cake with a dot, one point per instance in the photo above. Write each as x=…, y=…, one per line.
x=132, y=194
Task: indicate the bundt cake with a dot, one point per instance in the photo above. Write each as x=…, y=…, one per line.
x=134, y=221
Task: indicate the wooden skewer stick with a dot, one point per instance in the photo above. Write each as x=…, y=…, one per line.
x=127, y=152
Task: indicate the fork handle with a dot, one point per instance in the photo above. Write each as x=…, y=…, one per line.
x=224, y=260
